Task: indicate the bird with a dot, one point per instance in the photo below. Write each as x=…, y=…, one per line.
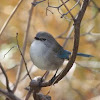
x=47, y=54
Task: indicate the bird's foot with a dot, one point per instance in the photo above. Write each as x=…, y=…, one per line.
x=54, y=77
x=43, y=77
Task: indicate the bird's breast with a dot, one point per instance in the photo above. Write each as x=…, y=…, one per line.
x=37, y=53
x=44, y=57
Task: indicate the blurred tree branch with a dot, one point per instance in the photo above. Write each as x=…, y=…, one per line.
x=9, y=18
x=9, y=95
x=7, y=81
x=36, y=84
x=23, y=57
x=24, y=46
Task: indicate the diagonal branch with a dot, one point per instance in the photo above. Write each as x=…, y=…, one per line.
x=9, y=95
x=23, y=57
x=9, y=18
x=7, y=81
x=77, y=23
x=24, y=46
x=67, y=10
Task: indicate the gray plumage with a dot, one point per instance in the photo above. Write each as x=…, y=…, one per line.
x=44, y=53
x=47, y=54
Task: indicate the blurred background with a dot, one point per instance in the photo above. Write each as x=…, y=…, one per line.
x=83, y=80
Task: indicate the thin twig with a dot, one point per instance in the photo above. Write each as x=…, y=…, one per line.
x=7, y=81
x=56, y=7
x=68, y=36
x=83, y=34
x=26, y=74
x=68, y=10
x=9, y=18
x=78, y=2
x=9, y=50
x=35, y=3
x=23, y=57
x=24, y=46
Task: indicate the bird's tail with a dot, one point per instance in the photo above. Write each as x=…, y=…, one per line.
x=84, y=55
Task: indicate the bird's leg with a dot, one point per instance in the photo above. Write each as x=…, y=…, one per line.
x=44, y=77
x=53, y=78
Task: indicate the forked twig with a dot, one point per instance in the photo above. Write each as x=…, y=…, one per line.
x=70, y=9
x=67, y=10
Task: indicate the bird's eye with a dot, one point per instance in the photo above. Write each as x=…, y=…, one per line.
x=37, y=38
x=41, y=39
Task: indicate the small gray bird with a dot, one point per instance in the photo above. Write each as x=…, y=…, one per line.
x=47, y=54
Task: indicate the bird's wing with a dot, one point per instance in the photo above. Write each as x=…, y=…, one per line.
x=63, y=54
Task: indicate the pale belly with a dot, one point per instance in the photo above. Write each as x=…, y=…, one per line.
x=40, y=54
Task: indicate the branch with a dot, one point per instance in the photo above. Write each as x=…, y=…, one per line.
x=7, y=81
x=77, y=23
x=67, y=10
x=9, y=50
x=9, y=95
x=24, y=46
x=23, y=57
x=78, y=2
x=35, y=3
x=82, y=34
x=9, y=18
x=58, y=8
x=68, y=36
x=34, y=87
